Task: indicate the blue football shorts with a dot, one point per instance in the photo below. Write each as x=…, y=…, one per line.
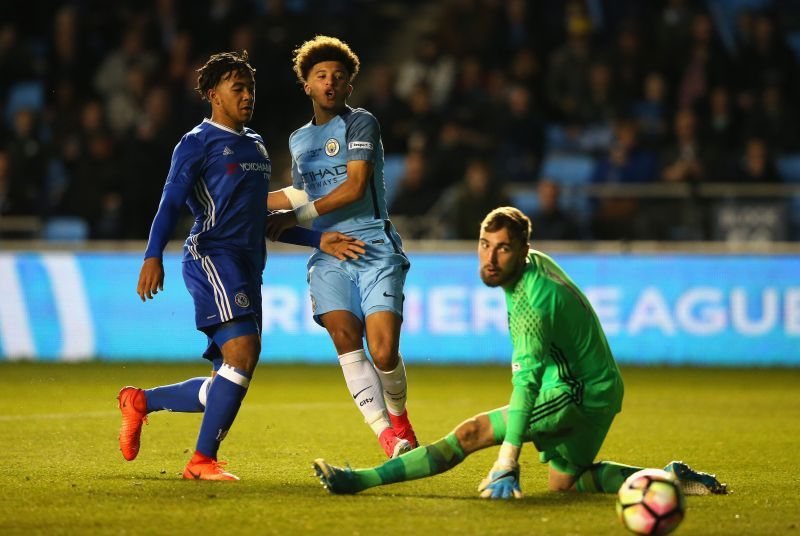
x=224, y=287
x=370, y=284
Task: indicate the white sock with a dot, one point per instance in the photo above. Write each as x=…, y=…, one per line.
x=394, y=387
x=364, y=386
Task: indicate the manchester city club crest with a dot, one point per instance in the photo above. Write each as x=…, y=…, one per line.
x=262, y=149
x=242, y=300
x=332, y=147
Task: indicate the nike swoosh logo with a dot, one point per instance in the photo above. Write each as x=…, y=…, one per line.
x=361, y=391
x=195, y=475
x=389, y=295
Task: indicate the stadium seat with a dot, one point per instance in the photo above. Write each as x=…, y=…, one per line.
x=65, y=229
x=568, y=170
x=789, y=167
x=525, y=199
x=23, y=95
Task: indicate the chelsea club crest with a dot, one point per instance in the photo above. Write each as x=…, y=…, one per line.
x=332, y=147
x=262, y=149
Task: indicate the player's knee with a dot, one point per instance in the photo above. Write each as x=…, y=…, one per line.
x=560, y=482
x=384, y=357
x=473, y=434
x=345, y=340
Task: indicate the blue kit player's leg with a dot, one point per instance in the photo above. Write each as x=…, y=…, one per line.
x=227, y=296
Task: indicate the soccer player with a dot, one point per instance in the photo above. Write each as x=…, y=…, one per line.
x=221, y=169
x=337, y=184
x=566, y=386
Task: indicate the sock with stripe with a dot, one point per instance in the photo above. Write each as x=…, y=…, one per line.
x=394, y=387
x=365, y=388
x=184, y=397
x=223, y=402
x=604, y=477
x=421, y=462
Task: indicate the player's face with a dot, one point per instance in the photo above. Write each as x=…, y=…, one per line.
x=235, y=97
x=328, y=85
x=501, y=258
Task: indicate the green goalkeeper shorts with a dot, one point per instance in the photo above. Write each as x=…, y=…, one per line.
x=566, y=436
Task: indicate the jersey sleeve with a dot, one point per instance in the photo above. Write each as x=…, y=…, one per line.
x=531, y=334
x=187, y=161
x=363, y=136
x=297, y=178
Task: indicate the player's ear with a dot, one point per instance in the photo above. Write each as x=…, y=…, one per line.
x=349, y=90
x=307, y=89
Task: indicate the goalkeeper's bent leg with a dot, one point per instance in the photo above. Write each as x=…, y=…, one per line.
x=471, y=435
x=604, y=477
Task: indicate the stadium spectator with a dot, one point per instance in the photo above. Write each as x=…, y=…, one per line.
x=652, y=110
x=550, y=221
x=393, y=112
x=28, y=157
x=755, y=166
x=683, y=160
x=416, y=196
x=626, y=160
x=567, y=77
x=430, y=66
x=721, y=127
x=774, y=119
x=520, y=137
x=474, y=196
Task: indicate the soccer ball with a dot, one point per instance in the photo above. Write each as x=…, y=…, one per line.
x=651, y=502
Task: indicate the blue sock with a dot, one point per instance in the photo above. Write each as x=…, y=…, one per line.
x=224, y=398
x=183, y=397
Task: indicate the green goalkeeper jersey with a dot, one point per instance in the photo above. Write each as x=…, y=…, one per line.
x=558, y=343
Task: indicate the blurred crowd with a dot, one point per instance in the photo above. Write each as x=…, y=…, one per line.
x=486, y=101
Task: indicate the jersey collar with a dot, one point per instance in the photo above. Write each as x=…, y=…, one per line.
x=223, y=127
x=346, y=110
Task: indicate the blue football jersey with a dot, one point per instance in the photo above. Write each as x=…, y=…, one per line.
x=319, y=165
x=223, y=176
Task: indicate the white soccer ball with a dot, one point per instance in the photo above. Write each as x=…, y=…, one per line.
x=651, y=502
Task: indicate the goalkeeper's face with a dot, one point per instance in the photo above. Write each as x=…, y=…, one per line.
x=502, y=258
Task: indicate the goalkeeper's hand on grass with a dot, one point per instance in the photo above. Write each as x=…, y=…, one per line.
x=502, y=482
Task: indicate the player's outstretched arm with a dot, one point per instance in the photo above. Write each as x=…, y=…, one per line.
x=151, y=278
x=278, y=200
x=351, y=190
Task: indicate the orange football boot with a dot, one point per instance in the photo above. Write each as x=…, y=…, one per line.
x=133, y=406
x=201, y=467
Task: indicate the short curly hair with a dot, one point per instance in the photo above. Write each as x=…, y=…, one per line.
x=220, y=67
x=324, y=48
x=512, y=219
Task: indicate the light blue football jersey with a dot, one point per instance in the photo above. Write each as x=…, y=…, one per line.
x=319, y=165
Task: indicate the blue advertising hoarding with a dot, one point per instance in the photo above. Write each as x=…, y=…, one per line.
x=675, y=309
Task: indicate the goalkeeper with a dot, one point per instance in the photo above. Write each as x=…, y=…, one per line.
x=567, y=387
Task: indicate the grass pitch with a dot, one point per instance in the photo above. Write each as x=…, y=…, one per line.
x=62, y=472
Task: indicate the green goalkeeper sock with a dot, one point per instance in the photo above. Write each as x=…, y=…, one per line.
x=421, y=462
x=604, y=477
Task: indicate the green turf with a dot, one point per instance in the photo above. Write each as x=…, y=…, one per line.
x=61, y=471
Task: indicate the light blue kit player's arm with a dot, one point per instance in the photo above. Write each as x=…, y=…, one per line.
x=362, y=138
x=187, y=159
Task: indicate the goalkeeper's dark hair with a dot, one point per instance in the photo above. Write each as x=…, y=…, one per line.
x=512, y=219
x=324, y=48
x=220, y=67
